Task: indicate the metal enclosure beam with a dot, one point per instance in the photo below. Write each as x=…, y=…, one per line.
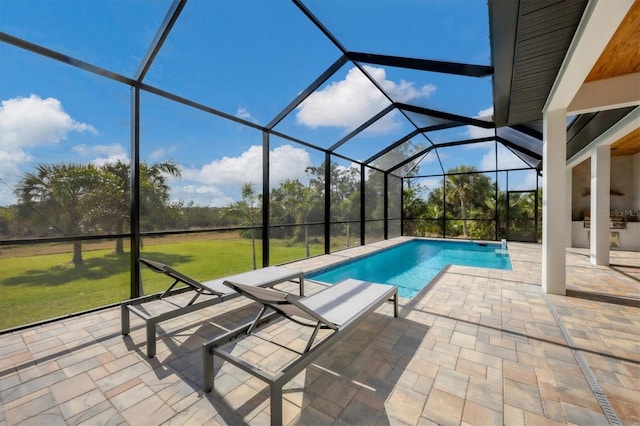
x=265, y=199
x=134, y=195
x=52, y=54
x=446, y=116
x=457, y=68
x=327, y=203
x=362, y=206
x=385, y=197
x=161, y=35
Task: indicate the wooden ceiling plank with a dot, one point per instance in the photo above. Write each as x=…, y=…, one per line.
x=627, y=145
x=620, y=56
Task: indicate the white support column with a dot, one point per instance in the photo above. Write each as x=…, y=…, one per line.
x=600, y=187
x=554, y=201
x=569, y=205
x=598, y=24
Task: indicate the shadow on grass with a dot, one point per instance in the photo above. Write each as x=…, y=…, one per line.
x=99, y=268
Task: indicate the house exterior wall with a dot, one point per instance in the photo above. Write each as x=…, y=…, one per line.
x=625, y=187
x=624, y=200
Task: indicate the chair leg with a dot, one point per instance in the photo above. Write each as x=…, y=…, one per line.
x=151, y=339
x=275, y=393
x=207, y=362
x=124, y=320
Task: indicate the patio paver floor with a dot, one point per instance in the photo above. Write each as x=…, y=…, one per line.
x=477, y=346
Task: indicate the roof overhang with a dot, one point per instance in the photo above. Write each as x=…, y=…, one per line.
x=578, y=56
x=587, y=53
x=529, y=41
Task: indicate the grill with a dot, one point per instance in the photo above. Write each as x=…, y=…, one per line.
x=615, y=222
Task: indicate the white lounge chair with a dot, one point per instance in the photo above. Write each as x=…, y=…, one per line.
x=212, y=292
x=339, y=307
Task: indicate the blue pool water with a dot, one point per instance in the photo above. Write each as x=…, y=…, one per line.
x=411, y=266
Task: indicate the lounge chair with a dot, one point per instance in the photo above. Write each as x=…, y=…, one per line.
x=207, y=293
x=339, y=307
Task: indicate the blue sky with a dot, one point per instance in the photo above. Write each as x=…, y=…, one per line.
x=249, y=59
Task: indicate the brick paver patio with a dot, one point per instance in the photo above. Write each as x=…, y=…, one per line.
x=478, y=346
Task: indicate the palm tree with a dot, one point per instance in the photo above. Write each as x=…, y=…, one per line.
x=461, y=181
x=471, y=190
x=118, y=208
x=154, y=192
x=65, y=194
x=76, y=199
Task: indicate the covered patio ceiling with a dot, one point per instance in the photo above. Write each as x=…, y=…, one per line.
x=530, y=40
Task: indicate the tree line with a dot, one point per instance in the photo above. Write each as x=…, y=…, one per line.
x=468, y=204
x=84, y=199
x=69, y=200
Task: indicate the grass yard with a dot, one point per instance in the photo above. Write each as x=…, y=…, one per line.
x=38, y=287
x=42, y=284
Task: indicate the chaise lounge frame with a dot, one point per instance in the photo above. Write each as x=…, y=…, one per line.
x=212, y=292
x=288, y=305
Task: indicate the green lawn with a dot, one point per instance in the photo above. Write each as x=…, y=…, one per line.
x=36, y=287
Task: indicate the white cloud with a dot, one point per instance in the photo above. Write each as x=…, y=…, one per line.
x=432, y=183
x=103, y=154
x=229, y=170
x=404, y=91
x=474, y=132
x=110, y=159
x=28, y=123
x=13, y=159
x=485, y=114
x=528, y=183
x=97, y=149
x=33, y=121
x=244, y=113
x=351, y=166
x=201, y=195
x=287, y=162
x=9, y=172
x=429, y=184
x=211, y=184
x=160, y=154
x=488, y=161
x=350, y=102
x=506, y=160
x=386, y=124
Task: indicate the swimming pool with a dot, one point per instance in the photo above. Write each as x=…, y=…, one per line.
x=412, y=265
